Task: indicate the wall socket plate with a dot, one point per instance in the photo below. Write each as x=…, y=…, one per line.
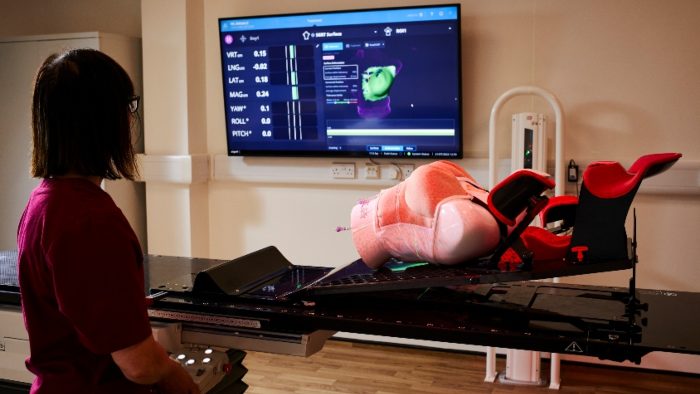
x=372, y=171
x=343, y=170
x=387, y=171
x=406, y=170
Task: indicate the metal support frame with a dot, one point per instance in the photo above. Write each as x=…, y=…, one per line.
x=555, y=378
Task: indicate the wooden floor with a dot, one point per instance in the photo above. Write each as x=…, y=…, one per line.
x=351, y=367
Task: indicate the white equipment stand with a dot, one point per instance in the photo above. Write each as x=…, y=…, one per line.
x=523, y=367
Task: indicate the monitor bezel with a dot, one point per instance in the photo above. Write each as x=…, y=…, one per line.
x=338, y=153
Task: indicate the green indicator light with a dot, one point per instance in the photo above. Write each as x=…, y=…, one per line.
x=406, y=266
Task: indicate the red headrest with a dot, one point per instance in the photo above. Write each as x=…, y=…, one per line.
x=510, y=197
x=608, y=179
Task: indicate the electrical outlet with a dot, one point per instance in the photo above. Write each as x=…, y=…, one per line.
x=572, y=171
x=406, y=170
x=372, y=171
x=343, y=170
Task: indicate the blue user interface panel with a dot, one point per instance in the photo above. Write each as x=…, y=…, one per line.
x=372, y=83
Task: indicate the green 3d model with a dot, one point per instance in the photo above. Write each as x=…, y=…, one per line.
x=377, y=81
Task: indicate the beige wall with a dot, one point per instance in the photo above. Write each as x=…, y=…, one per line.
x=69, y=23
x=624, y=71
x=30, y=17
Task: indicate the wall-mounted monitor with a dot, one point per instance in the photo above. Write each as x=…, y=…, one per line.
x=360, y=83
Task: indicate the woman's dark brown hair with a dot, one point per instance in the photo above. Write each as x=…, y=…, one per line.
x=80, y=117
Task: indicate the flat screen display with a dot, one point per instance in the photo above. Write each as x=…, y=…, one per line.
x=361, y=83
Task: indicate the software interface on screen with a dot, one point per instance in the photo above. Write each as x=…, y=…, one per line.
x=382, y=83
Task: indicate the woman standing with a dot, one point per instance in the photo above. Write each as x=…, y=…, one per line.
x=80, y=263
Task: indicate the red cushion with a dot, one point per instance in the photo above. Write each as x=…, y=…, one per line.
x=553, y=204
x=608, y=179
x=545, y=245
x=509, y=198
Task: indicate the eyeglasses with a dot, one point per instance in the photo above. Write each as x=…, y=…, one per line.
x=134, y=104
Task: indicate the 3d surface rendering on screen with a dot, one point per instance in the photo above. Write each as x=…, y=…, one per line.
x=376, y=82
